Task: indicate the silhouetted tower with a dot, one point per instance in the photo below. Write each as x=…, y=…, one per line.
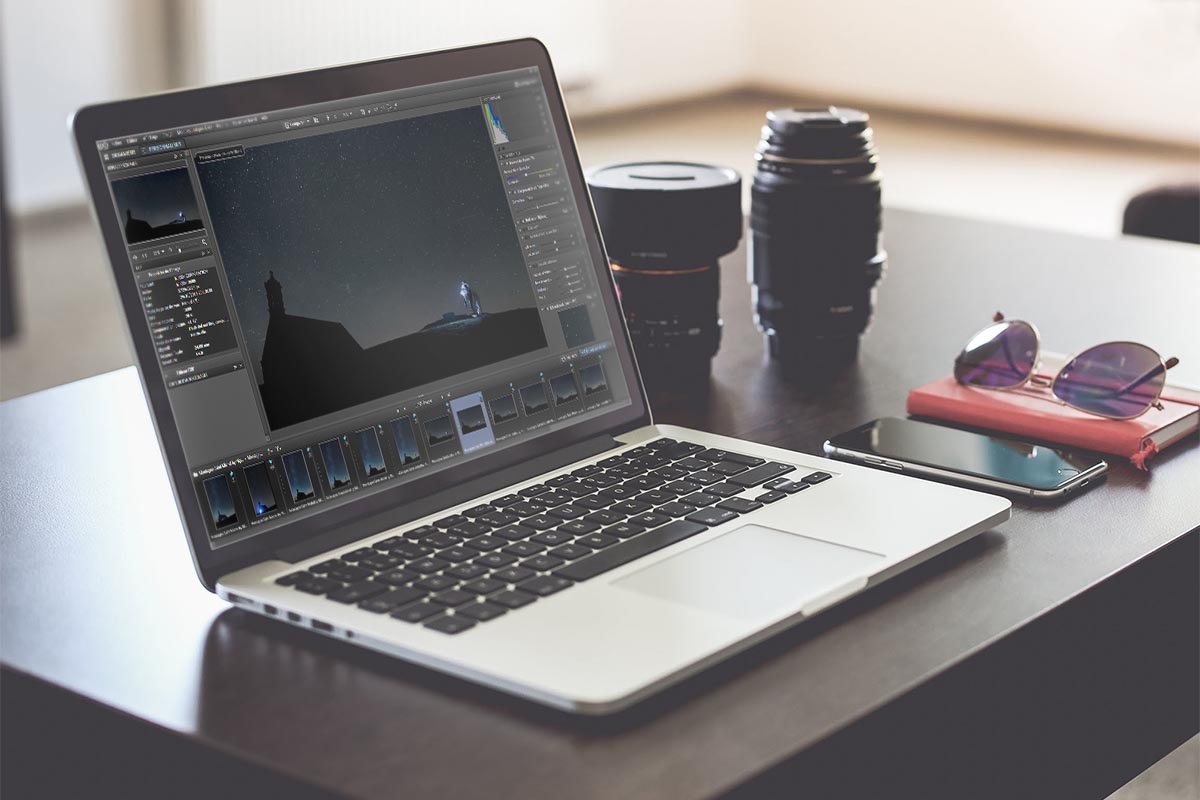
x=274, y=295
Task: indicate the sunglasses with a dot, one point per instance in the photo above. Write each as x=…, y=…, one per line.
x=1118, y=380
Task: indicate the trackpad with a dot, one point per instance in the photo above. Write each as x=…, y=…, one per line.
x=753, y=571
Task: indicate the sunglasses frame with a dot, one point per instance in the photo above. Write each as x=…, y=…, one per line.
x=1041, y=382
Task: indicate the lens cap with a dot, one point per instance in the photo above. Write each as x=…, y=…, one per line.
x=674, y=214
x=786, y=120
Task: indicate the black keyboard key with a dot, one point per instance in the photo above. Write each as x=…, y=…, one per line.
x=513, y=533
x=724, y=489
x=725, y=455
x=479, y=510
x=567, y=512
x=436, y=583
x=636, y=452
x=651, y=520
x=419, y=533
x=691, y=464
x=597, y=541
x=571, y=551
x=659, y=444
x=786, y=486
x=739, y=505
x=466, y=571
x=650, y=462
x=626, y=471
x=578, y=527
x=526, y=549
x=674, y=509
x=727, y=468
x=681, y=487
x=484, y=586
x=551, y=537
x=397, y=577
x=594, y=502
x=626, y=551
x=559, y=481
x=319, y=569
x=542, y=563
x=391, y=541
x=485, y=544
x=513, y=574
x=512, y=598
x=468, y=529
x=604, y=517
x=611, y=461
x=644, y=482
x=450, y=521
x=680, y=450
x=816, y=477
x=525, y=508
x=381, y=561
x=292, y=578
x=619, y=492
x=481, y=612
x=498, y=519
x=623, y=530
x=670, y=473
x=602, y=481
x=770, y=497
x=348, y=573
x=504, y=501
x=757, y=475
x=316, y=585
x=428, y=565
x=544, y=585
x=586, y=471
x=555, y=498
x=495, y=560
x=450, y=624
x=452, y=597
x=389, y=600
x=357, y=592
x=630, y=507
x=712, y=516
x=654, y=497
x=704, y=477
x=541, y=522
x=441, y=539
x=416, y=612
x=456, y=555
x=699, y=499
x=411, y=550
x=577, y=490
x=359, y=554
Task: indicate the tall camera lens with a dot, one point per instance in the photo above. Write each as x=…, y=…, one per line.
x=815, y=248
x=665, y=227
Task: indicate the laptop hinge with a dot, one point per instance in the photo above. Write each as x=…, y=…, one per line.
x=460, y=493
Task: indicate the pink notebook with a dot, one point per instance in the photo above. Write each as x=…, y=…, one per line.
x=1027, y=412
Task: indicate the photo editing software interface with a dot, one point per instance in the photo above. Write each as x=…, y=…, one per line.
x=349, y=295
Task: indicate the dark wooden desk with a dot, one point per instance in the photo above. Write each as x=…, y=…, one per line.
x=1054, y=657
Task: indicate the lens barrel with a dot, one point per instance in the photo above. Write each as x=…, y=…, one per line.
x=665, y=227
x=815, y=219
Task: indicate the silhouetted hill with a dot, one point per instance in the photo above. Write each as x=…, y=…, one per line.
x=313, y=367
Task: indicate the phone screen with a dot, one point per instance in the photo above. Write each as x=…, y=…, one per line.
x=1021, y=463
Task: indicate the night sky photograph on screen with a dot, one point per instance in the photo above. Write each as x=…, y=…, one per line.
x=593, y=379
x=406, y=441
x=370, y=453
x=295, y=467
x=533, y=397
x=439, y=430
x=262, y=493
x=369, y=261
x=337, y=471
x=220, y=501
x=157, y=204
x=564, y=389
x=504, y=409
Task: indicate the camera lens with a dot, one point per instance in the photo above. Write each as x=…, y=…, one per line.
x=665, y=227
x=815, y=247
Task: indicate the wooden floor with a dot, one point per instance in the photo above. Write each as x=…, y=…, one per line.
x=70, y=327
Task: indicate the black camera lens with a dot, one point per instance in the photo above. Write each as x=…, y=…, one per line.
x=815, y=218
x=665, y=227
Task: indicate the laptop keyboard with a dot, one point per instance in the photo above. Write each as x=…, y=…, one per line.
x=496, y=557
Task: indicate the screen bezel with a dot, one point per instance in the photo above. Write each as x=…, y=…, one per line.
x=188, y=107
x=857, y=441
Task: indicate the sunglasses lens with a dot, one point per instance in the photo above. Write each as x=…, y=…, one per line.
x=1000, y=356
x=1117, y=380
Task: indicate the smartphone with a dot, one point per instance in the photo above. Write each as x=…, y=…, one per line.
x=980, y=461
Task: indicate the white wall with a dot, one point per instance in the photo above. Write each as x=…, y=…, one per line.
x=1121, y=67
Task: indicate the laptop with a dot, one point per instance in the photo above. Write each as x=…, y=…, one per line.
x=398, y=404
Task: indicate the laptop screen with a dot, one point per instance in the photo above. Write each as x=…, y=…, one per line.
x=353, y=294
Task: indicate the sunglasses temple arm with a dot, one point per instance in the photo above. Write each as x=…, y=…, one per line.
x=1145, y=376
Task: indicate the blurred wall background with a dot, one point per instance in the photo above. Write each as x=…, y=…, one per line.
x=1124, y=68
